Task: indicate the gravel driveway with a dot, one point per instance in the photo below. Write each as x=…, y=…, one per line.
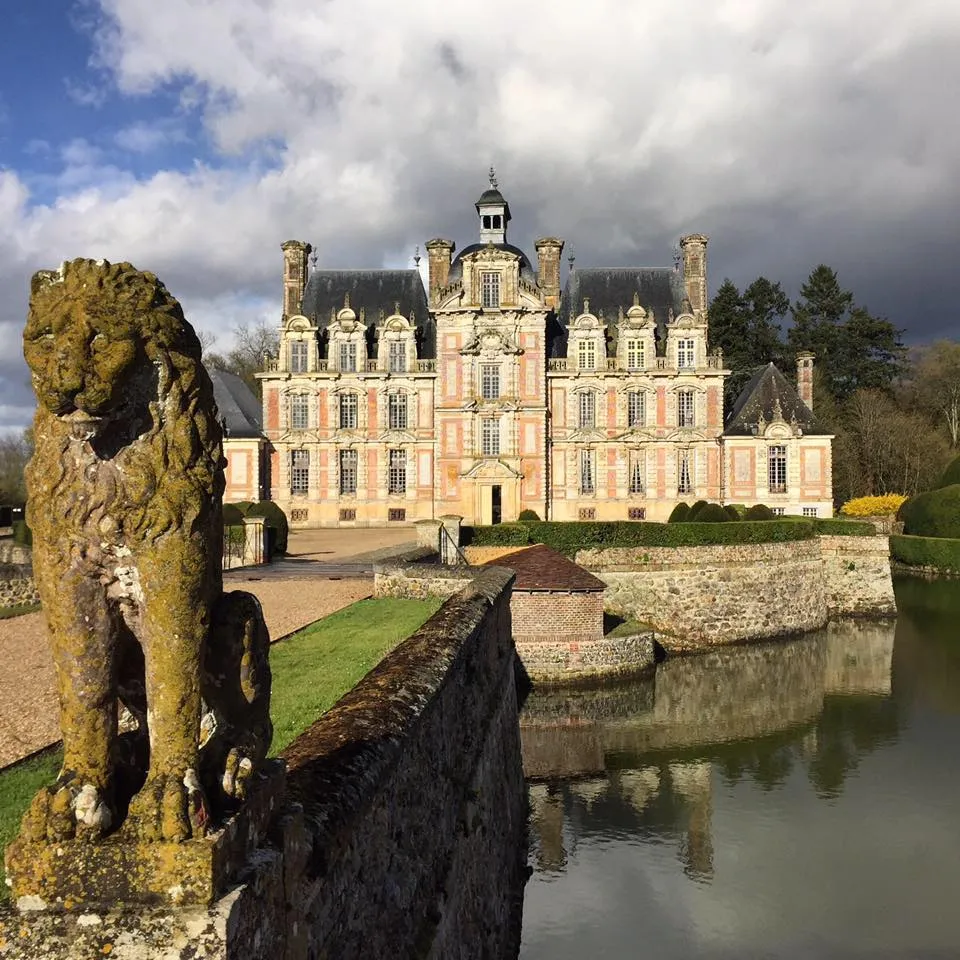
x=28, y=698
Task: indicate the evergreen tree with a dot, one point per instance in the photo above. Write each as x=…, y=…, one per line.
x=854, y=349
x=746, y=327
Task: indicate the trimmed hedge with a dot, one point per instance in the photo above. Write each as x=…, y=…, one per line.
x=733, y=514
x=834, y=527
x=568, y=538
x=759, y=511
x=940, y=552
x=22, y=534
x=680, y=513
x=696, y=510
x=232, y=515
x=528, y=515
x=933, y=514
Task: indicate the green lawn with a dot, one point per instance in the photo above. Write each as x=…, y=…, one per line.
x=311, y=671
x=7, y=613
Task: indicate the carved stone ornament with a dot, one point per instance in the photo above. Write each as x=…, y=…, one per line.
x=124, y=500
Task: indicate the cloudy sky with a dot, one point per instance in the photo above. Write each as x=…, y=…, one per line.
x=192, y=137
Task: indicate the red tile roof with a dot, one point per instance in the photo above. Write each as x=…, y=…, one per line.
x=540, y=568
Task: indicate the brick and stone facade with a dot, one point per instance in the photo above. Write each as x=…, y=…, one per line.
x=494, y=389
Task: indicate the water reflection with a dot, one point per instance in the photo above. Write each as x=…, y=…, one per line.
x=789, y=799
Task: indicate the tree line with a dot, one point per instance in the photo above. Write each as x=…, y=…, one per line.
x=894, y=412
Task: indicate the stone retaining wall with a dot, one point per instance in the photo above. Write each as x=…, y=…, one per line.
x=17, y=586
x=417, y=581
x=15, y=553
x=401, y=832
x=706, y=595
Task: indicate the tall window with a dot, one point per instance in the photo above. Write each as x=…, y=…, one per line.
x=397, y=411
x=299, y=411
x=397, y=471
x=348, y=471
x=299, y=471
x=490, y=289
x=587, y=355
x=635, y=358
x=636, y=468
x=587, y=473
x=685, y=472
x=398, y=356
x=685, y=353
x=490, y=381
x=298, y=356
x=588, y=409
x=685, y=408
x=777, y=469
x=348, y=411
x=636, y=408
x=490, y=437
x=348, y=357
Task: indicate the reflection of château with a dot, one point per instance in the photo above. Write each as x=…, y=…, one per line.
x=754, y=711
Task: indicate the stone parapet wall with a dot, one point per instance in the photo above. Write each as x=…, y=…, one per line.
x=17, y=586
x=413, y=797
x=15, y=553
x=401, y=831
x=857, y=577
x=417, y=581
x=714, y=594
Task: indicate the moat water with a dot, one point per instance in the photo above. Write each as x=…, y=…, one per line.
x=797, y=799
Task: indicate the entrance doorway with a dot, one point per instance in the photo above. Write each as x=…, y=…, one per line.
x=496, y=511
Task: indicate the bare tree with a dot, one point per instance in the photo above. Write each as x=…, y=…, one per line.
x=15, y=451
x=935, y=382
x=253, y=344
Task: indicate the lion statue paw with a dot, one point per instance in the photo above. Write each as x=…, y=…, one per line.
x=67, y=810
x=170, y=807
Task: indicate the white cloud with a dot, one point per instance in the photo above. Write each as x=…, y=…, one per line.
x=792, y=133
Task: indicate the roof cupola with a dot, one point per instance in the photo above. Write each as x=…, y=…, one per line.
x=494, y=213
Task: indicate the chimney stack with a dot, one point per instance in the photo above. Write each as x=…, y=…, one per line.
x=295, y=253
x=694, y=250
x=440, y=253
x=548, y=253
x=805, y=378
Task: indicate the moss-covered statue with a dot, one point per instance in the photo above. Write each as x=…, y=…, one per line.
x=124, y=492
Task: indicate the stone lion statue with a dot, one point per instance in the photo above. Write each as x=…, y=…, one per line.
x=124, y=499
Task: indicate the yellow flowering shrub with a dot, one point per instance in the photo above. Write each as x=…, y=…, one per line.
x=888, y=504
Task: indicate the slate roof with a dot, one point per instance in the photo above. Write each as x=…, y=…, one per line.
x=240, y=411
x=540, y=568
x=770, y=394
x=659, y=290
x=372, y=291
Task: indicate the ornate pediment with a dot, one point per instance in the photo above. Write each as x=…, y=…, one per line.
x=490, y=343
x=491, y=469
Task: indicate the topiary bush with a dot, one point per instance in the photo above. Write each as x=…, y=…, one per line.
x=713, y=513
x=243, y=506
x=274, y=517
x=933, y=514
x=680, y=513
x=232, y=515
x=952, y=474
x=733, y=514
x=528, y=515
x=759, y=511
x=695, y=510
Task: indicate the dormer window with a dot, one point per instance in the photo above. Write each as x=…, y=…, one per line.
x=685, y=353
x=587, y=355
x=298, y=356
x=635, y=355
x=348, y=357
x=398, y=356
x=490, y=289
